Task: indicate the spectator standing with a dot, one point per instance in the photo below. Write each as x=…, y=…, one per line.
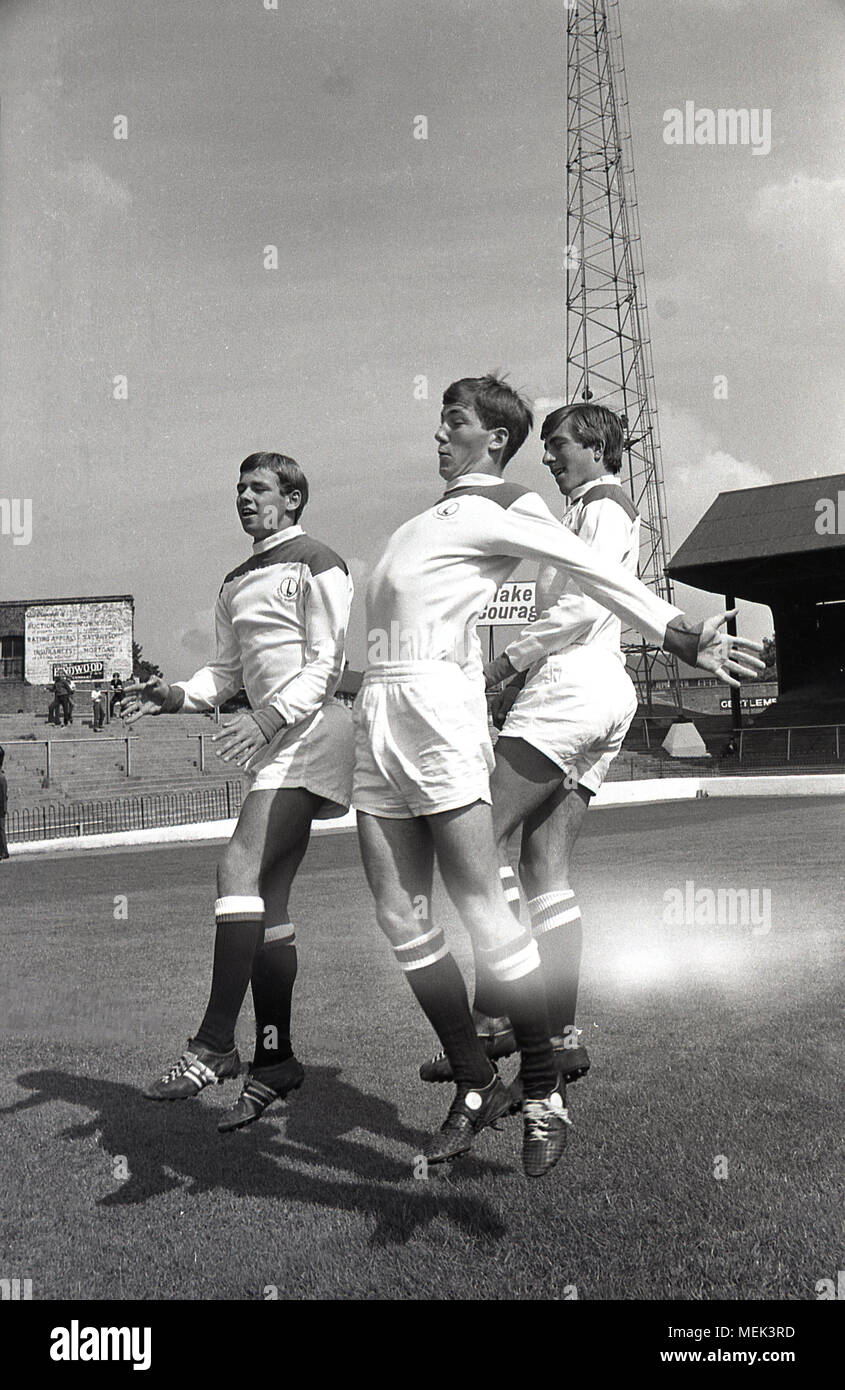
x=63, y=689
x=118, y=692
x=98, y=706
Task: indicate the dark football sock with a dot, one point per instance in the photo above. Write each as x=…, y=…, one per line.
x=440, y=991
x=488, y=1002
x=273, y=977
x=556, y=924
x=517, y=965
x=240, y=927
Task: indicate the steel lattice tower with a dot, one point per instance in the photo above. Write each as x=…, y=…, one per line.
x=608, y=352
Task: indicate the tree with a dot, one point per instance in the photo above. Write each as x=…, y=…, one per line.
x=141, y=668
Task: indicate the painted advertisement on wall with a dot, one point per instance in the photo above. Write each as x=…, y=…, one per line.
x=89, y=638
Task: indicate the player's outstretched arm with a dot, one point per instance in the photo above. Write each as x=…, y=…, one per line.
x=154, y=696
x=707, y=646
x=528, y=529
x=609, y=532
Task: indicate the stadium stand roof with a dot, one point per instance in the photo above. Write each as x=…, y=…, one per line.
x=757, y=542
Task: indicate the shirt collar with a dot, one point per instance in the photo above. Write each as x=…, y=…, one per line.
x=577, y=493
x=277, y=538
x=475, y=480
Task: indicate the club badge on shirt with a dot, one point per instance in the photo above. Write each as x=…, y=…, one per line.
x=446, y=509
x=289, y=587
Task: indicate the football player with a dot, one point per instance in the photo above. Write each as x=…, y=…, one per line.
x=281, y=621
x=423, y=756
x=573, y=706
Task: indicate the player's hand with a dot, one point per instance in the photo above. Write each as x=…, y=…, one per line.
x=497, y=671
x=716, y=651
x=239, y=741
x=500, y=704
x=144, y=697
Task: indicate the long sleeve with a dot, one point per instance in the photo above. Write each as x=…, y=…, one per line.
x=328, y=599
x=528, y=529
x=607, y=530
x=212, y=685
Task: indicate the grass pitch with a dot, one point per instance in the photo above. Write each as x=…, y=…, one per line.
x=704, y=1158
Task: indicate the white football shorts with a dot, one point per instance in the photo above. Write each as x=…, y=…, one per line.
x=422, y=743
x=576, y=708
x=317, y=754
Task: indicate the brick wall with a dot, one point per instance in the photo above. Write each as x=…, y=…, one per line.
x=12, y=619
x=34, y=699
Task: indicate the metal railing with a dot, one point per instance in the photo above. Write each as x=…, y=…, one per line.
x=649, y=767
x=825, y=738
x=129, y=743
x=51, y=820
x=805, y=748
x=800, y=744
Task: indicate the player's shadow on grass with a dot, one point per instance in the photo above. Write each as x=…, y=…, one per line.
x=328, y=1109
x=171, y=1146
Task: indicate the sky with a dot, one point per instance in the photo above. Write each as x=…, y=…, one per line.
x=398, y=258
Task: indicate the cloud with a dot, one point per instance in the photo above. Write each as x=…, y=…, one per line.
x=696, y=469
x=805, y=219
